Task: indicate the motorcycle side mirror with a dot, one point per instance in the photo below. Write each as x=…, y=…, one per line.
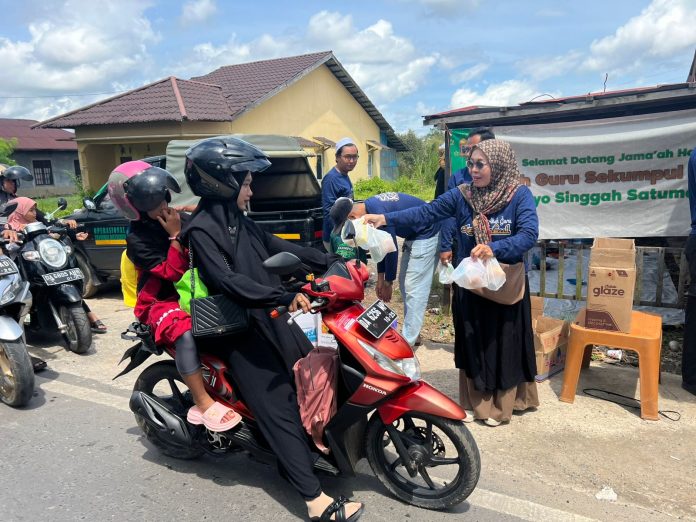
x=89, y=204
x=62, y=203
x=283, y=263
x=8, y=209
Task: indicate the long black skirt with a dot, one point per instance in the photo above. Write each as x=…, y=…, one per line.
x=493, y=343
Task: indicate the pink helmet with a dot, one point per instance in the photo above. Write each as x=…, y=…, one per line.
x=117, y=191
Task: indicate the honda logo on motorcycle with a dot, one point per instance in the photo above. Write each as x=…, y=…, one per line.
x=372, y=388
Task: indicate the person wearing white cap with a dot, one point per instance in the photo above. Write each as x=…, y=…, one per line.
x=337, y=184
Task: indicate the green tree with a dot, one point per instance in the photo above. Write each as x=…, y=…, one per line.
x=7, y=147
x=420, y=162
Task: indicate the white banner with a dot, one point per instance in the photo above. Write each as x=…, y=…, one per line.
x=619, y=177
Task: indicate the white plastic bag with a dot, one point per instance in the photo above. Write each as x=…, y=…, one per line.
x=379, y=243
x=495, y=273
x=470, y=274
x=444, y=273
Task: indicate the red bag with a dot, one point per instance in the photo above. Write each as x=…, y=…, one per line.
x=315, y=378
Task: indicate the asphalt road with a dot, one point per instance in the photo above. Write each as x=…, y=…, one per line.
x=75, y=452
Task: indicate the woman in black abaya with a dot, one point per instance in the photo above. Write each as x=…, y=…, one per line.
x=219, y=170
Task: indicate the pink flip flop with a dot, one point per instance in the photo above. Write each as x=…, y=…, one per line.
x=212, y=417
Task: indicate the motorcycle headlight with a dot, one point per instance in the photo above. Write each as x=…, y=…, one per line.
x=11, y=292
x=409, y=367
x=52, y=253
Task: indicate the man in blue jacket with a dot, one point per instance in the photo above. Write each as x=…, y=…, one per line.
x=449, y=227
x=417, y=261
x=689, y=344
x=337, y=184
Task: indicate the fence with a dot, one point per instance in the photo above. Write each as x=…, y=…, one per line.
x=663, y=260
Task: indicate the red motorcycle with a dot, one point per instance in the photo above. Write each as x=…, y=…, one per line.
x=412, y=435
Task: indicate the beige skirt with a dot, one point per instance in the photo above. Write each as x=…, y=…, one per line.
x=499, y=404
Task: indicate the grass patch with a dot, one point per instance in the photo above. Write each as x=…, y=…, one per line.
x=49, y=204
x=366, y=188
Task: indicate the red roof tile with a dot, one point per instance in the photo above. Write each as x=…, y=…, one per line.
x=247, y=84
x=170, y=99
x=221, y=95
x=36, y=139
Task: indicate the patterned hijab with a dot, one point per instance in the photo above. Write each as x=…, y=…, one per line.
x=505, y=180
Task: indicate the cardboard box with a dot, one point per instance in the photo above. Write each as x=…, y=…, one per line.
x=610, y=285
x=550, y=344
x=537, y=307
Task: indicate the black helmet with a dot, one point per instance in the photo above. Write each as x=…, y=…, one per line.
x=150, y=188
x=16, y=173
x=211, y=166
x=339, y=213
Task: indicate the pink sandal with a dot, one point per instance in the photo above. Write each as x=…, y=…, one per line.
x=212, y=417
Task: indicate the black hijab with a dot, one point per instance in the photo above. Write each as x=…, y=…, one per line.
x=148, y=242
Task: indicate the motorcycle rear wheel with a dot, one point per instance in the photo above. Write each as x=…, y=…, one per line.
x=438, y=446
x=16, y=373
x=162, y=380
x=79, y=332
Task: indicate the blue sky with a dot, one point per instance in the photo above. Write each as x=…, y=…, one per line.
x=412, y=57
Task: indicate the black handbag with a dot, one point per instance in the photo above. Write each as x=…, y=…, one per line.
x=216, y=314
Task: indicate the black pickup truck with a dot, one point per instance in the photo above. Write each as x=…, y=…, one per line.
x=286, y=202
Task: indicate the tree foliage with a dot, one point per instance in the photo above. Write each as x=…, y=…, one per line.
x=7, y=147
x=420, y=162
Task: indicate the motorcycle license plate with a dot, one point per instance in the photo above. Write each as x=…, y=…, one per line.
x=64, y=276
x=377, y=319
x=7, y=267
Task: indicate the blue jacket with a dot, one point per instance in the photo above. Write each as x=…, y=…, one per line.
x=334, y=185
x=449, y=227
x=515, y=228
x=394, y=202
x=692, y=189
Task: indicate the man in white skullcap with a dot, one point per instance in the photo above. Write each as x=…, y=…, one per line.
x=337, y=184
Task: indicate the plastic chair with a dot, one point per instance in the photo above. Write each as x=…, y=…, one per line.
x=645, y=338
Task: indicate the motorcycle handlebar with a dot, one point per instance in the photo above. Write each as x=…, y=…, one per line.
x=280, y=310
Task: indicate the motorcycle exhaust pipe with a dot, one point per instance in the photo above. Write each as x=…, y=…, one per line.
x=157, y=414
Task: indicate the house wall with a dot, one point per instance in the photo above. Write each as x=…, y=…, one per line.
x=101, y=148
x=62, y=167
x=316, y=105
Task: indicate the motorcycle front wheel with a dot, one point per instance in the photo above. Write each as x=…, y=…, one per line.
x=16, y=373
x=78, y=334
x=162, y=380
x=443, y=458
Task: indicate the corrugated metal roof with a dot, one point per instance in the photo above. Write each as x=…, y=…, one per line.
x=588, y=106
x=36, y=139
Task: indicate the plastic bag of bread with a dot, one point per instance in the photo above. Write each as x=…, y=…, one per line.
x=470, y=274
x=496, y=274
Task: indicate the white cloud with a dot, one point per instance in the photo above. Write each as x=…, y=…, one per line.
x=507, y=93
x=661, y=38
x=470, y=73
x=662, y=31
x=85, y=47
x=385, y=65
x=446, y=8
x=196, y=11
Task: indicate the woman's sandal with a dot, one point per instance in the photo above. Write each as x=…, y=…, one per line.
x=212, y=417
x=98, y=326
x=338, y=506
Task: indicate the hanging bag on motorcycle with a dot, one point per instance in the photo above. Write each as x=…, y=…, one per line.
x=213, y=314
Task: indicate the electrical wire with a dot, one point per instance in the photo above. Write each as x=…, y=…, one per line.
x=675, y=415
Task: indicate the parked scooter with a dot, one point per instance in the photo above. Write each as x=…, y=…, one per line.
x=16, y=369
x=412, y=435
x=47, y=261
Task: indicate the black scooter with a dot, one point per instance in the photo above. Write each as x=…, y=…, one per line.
x=47, y=261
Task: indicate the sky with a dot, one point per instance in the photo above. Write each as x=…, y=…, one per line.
x=411, y=57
